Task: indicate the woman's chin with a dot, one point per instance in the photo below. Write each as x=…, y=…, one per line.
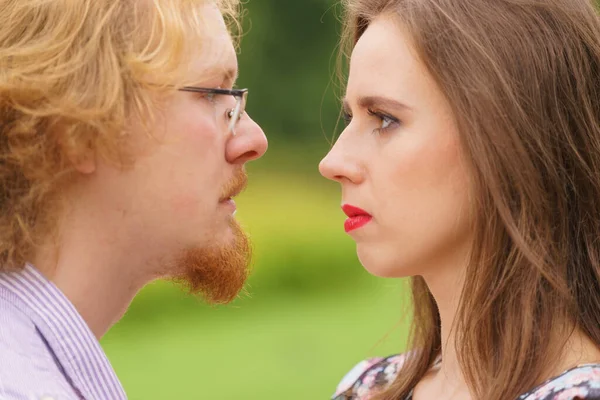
x=386, y=264
x=377, y=265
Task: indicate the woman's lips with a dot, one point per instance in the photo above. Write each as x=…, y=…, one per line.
x=357, y=217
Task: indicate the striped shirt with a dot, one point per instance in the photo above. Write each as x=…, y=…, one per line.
x=47, y=351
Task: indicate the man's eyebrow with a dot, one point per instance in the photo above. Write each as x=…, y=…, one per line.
x=376, y=101
x=229, y=75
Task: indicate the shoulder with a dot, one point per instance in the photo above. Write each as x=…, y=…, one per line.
x=578, y=383
x=28, y=369
x=18, y=334
x=368, y=375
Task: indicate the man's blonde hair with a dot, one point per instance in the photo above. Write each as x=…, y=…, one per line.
x=71, y=73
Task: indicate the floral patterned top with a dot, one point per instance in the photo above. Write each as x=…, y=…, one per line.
x=579, y=383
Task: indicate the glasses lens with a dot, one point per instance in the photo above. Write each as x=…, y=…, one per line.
x=237, y=111
x=244, y=100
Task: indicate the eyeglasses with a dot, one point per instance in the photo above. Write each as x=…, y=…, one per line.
x=234, y=114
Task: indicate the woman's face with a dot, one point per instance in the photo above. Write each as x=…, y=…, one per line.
x=405, y=186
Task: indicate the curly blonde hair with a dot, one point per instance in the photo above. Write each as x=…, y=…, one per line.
x=71, y=74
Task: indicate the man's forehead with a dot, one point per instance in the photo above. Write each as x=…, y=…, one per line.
x=215, y=60
x=212, y=54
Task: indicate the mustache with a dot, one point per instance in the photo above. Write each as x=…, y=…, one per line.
x=236, y=185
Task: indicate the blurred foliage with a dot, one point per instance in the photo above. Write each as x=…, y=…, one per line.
x=299, y=247
x=312, y=311
x=310, y=314
x=291, y=347
x=287, y=60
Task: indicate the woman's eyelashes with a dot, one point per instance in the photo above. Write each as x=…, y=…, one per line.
x=387, y=122
x=347, y=117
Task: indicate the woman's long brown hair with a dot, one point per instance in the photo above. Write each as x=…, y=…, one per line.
x=523, y=79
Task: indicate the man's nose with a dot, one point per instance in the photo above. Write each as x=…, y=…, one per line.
x=249, y=143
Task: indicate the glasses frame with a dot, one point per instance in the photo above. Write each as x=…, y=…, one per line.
x=234, y=114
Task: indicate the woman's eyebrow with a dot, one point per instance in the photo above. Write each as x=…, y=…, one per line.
x=371, y=101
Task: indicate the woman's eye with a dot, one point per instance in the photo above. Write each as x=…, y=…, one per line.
x=347, y=117
x=210, y=97
x=387, y=121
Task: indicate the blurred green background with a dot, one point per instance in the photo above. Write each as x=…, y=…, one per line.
x=311, y=312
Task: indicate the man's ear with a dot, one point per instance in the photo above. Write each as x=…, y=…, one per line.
x=76, y=148
x=80, y=154
x=84, y=161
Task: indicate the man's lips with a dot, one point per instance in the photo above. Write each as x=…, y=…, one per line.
x=231, y=195
x=226, y=199
x=234, y=186
x=230, y=204
x=357, y=217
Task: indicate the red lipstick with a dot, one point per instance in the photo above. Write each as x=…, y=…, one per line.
x=357, y=218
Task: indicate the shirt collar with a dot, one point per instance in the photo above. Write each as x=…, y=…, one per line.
x=73, y=343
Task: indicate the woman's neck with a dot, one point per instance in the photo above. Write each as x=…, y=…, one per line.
x=447, y=379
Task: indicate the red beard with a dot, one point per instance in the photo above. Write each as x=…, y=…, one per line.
x=217, y=273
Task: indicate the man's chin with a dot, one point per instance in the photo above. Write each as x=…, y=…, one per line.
x=218, y=272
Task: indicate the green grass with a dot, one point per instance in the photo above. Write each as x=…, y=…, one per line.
x=296, y=226
x=282, y=348
x=312, y=315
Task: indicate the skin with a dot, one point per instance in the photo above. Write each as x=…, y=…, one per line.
x=123, y=228
x=400, y=160
x=403, y=165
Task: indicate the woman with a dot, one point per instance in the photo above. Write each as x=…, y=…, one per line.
x=471, y=163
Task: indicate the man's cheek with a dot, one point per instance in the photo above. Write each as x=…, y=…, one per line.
x=187, y=204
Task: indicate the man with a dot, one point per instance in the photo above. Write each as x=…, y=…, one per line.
x=122, y=145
